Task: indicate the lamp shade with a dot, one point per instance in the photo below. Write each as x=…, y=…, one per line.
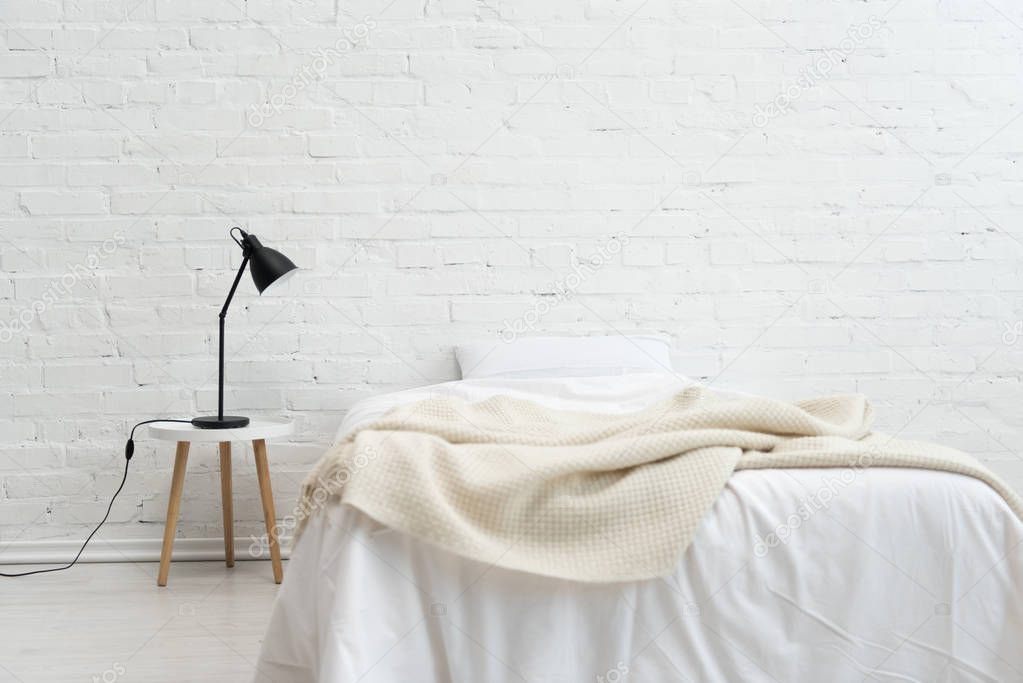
x=267, y=265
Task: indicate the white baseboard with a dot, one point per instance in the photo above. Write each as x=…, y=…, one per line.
x=129, y=550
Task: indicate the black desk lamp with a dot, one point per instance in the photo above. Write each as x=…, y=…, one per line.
x=268, y=266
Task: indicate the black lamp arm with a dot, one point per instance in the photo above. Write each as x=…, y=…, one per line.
x=234, y=285
x=223, y=316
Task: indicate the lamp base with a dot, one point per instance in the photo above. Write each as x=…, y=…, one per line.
x=214, y=422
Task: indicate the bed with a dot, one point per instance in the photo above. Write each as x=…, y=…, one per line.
x=793, y=575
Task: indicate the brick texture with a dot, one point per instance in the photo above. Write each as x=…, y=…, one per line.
x=808, y=199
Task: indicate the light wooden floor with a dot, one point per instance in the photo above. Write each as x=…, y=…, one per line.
x=111, y=623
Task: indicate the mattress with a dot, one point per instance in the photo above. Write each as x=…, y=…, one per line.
x=795, y=575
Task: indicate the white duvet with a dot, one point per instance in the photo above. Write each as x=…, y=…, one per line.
x=795, y=575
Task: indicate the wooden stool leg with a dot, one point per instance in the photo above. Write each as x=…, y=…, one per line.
x=269, y=516
x=227, y=501
x=173, y=508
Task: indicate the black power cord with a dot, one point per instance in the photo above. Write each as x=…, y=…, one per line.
x=129, y=451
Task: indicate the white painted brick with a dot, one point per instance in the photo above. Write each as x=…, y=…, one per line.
x=79, y=345
x=31, y=10
x=547, y=256
x=135, y=38
x=143, y=400
x=262, y=399
x=334, y=202
x=75, y=146
x=28, y=175
x=209, y=118
x=643, y=254
x=195, y=92
x=405, y=36
x=13, y=431
x=17, y=118
x=59, y=92
x=506, y=255
x=149, y=92
x=103, y=65
x=13, y=145
x=340, y=284
x=45, y=202
x=313, y=11
x=458, y=254
x=171, y=145
x=306, y=119
x=92, y=174
x=198, y=10
x=53, y=484
x=731, y=252
x=103, y=92
x=487, y=311
x=421, y=311
x=333, y=342
x=474, y=93
x=251, y=146
x=295, y=174
x=25, y=65
x=188, y=372
x=438, y=67
x=85, y=376
x=333, y=146
x=233, y=38
x=69, y=403
x=109, y=10
x=124, y=123
x=417, y=256
x=167, y=201
x=270, y=371
x=400, y=93
x=133, y=287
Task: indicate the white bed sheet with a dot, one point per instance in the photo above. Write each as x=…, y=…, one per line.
x=904, y=575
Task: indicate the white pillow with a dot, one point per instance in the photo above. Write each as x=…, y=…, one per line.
x=564, y=356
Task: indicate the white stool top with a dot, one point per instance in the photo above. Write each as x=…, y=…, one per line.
x=259, y=428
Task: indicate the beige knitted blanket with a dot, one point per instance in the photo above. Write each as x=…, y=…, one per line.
x=593, y=497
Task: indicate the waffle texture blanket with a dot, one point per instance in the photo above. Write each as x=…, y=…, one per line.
x=593, y=497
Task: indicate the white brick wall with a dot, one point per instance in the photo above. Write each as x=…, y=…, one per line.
x=807, y=197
